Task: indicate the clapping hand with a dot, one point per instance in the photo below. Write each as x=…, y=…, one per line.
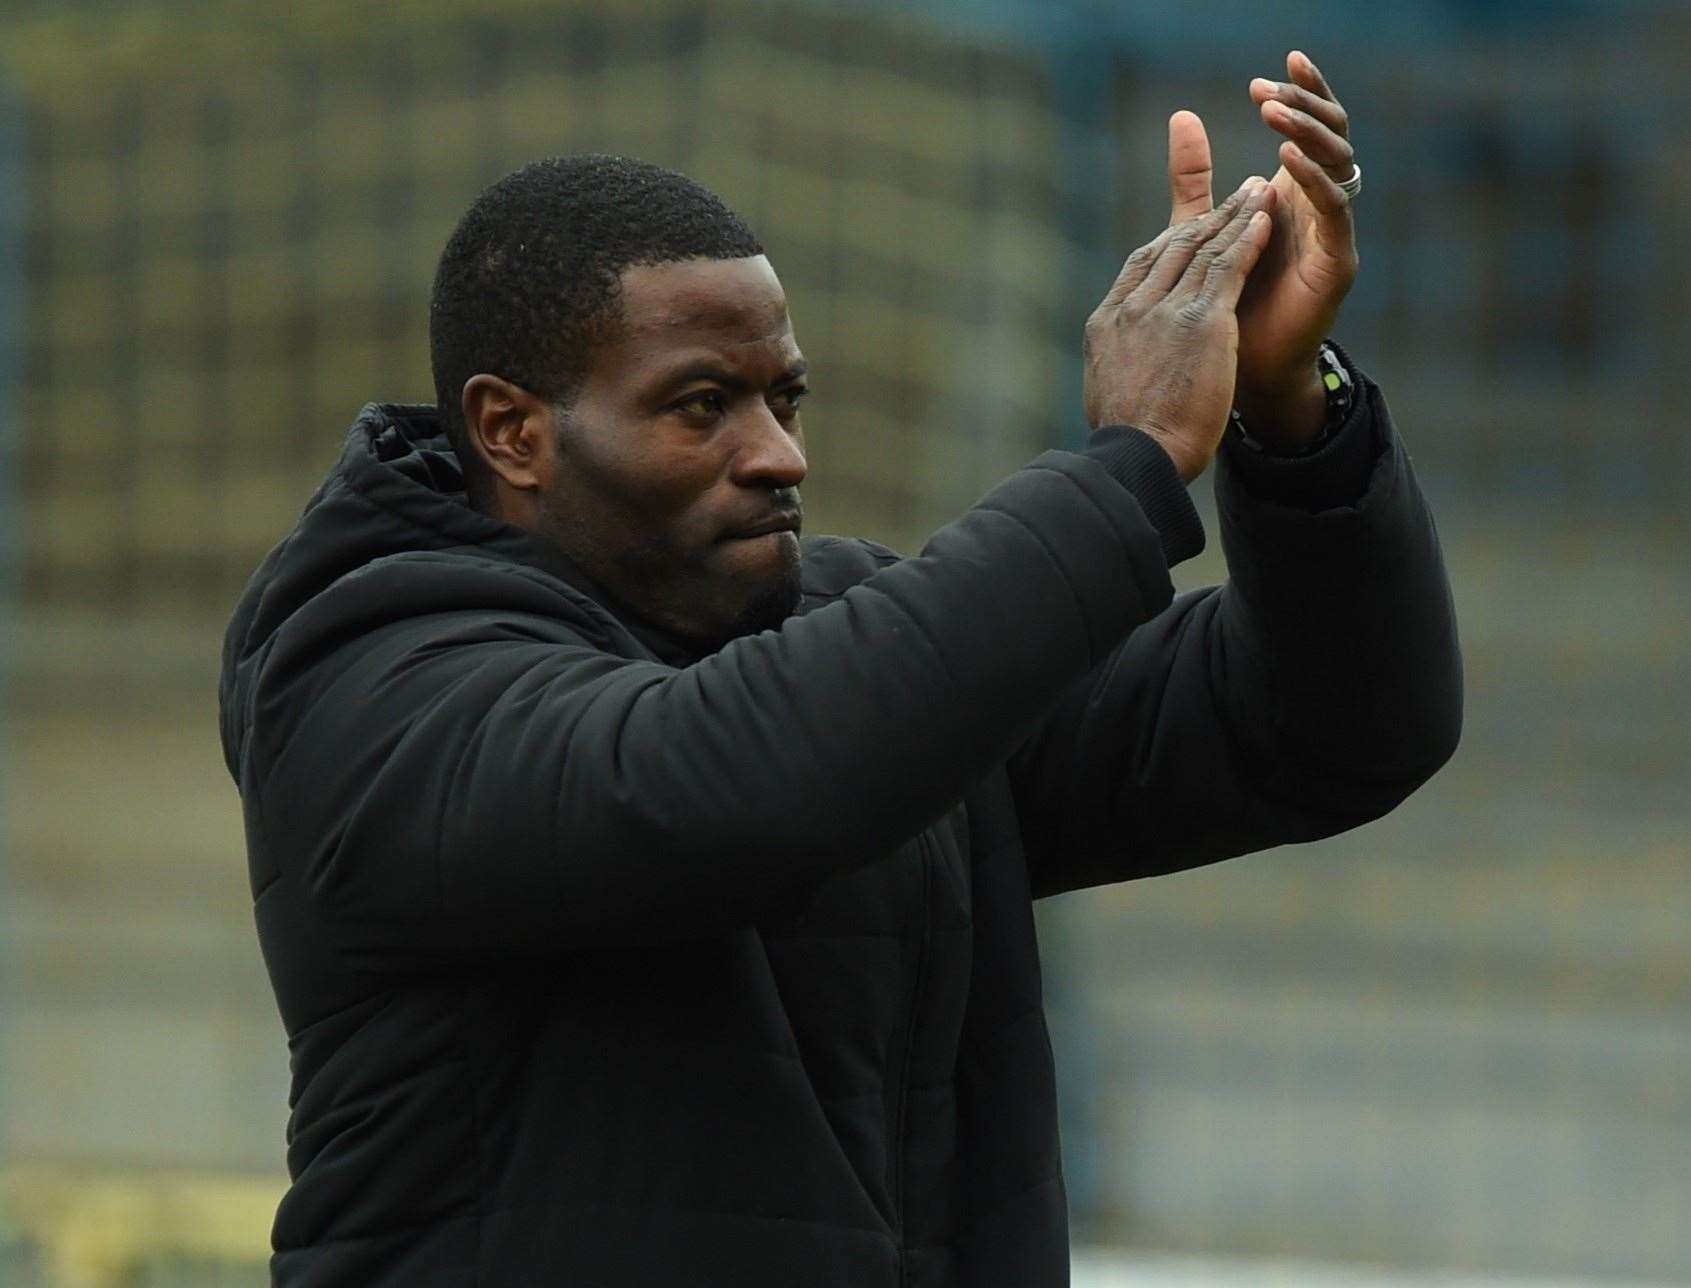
x=1293, y=296
x=1161, y=349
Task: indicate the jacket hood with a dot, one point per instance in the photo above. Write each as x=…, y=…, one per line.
x=396, y=488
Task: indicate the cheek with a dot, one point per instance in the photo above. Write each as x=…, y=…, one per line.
x=655, y=487
x=680, y=492
x=684, y=512
x=686, y=525
x=659, y=489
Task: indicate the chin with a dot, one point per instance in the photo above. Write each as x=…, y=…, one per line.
x=761, y=609
x=763, y=601
x=721, y=599
x=774, y=605
x=762, y=580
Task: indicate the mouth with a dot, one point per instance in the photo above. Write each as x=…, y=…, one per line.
x=787, y=521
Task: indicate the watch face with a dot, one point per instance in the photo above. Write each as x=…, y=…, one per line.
x=1334, y=373
x=1336, y=384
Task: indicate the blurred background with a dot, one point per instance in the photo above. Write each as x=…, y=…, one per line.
x=1453, y=1045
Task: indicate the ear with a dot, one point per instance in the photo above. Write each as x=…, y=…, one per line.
x=512, y=429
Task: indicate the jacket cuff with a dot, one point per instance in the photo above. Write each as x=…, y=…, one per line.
x=1335, y=476
x=1134, y=460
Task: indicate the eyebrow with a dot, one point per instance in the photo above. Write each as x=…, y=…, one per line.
x=727, y=379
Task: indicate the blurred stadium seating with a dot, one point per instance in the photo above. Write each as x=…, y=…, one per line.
x=1457, y=1038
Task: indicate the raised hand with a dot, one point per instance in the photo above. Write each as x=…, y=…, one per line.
x=1293, y=298
x=1161, y=349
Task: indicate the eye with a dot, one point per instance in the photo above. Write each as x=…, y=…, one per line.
x=786, y=401
x=706, y=405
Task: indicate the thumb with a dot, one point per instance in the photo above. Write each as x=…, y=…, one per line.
x=1190, y=171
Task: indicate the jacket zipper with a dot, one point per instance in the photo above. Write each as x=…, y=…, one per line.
x=900, y=1143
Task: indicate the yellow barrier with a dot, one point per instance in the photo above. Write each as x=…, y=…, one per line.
x=97, y=1229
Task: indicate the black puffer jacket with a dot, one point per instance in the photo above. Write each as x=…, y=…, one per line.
x=604, y=965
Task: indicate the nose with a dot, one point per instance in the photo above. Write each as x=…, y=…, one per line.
x=770, y=453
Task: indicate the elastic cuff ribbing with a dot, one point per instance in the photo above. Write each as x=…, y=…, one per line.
x=1134, y=460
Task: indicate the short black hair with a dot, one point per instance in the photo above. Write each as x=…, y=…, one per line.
x=528, y=281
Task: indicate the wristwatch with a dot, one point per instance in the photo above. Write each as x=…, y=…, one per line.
x=1340, y=390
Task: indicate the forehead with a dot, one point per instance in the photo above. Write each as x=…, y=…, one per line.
x=711, y=302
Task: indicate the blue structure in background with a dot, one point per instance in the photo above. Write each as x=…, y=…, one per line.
x=1085, y=44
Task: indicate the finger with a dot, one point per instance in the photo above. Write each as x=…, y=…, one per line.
x=1316, y=140
x=1325, y=110
x=1225, y=281
x=1139, y=264
x=1301, y=68
x=1192, y=282
x=1191, y=174
x=1189, y=237
x=1331, y=205
x=1147, y=257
